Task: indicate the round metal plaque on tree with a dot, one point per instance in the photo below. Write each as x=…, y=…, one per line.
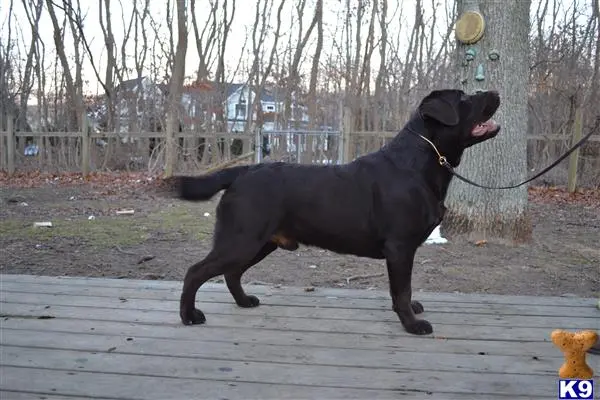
x=469, y=27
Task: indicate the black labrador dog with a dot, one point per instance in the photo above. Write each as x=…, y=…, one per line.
x=382, y=205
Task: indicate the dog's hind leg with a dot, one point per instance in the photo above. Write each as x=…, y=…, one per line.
x=220, y=261
x=233, y=279
x=399, y=265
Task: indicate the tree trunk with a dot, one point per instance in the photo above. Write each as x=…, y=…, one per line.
x=314, y=70
x=176, y=88
x=76, y=103
x=495, y=214
x=111, y=63
x=27, y=85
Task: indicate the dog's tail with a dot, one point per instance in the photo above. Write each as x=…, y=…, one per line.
x=201, y=188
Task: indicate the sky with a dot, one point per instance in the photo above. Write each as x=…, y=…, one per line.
x=400, y=17
x=121, y=11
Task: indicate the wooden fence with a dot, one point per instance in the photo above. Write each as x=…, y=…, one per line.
x=87, y=151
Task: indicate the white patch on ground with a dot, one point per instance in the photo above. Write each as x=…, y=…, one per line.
x=436, y=237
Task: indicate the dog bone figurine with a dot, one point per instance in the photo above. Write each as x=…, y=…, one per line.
x=574, y=346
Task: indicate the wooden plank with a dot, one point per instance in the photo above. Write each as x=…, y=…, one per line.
x=320, y=340
x=364, y=305
x=355, y=294
x=48, y=134
x=449, y=315
x=25, y=395
x=393, y=329
x=282, y=298
x=268, y=353
x=13, y=294
x=268, y=374
x=124, y=386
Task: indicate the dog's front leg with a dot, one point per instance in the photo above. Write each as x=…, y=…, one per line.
x=399, y=260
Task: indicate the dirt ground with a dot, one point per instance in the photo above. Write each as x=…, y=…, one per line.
x=164, y=236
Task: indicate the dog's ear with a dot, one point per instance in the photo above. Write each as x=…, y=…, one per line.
x=442, y=105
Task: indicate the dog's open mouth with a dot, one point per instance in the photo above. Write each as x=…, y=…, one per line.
x=485, y=128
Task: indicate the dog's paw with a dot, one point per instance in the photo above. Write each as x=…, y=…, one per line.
x=417, y=307
x=192, y=317
x=249, y=302
x=419, y=327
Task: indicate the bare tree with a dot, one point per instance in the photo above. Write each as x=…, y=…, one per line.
x=205, y=39
x=176, y=87
x=72, y=92
x=7, y=93
x=33, y=10
x=314, y=70
x=259, y=73
x=364, y=80
x=293, y=86
x=381, y=78
x=111, y=61
x=224, y=35
x=595, y=86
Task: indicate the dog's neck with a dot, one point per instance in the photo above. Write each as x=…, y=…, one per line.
x=417, y=126
x=422, y=156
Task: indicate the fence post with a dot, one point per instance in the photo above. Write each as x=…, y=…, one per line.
x=345, y=133
x=257, y=145
x=574, y=157
x=170, y=144
x=85, y=146
x=11, y=145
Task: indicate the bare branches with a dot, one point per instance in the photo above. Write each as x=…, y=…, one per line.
x=72, y=92
x=33, y=9
x=293, y=81
x=314, y=71
x=205, y=40
x=259, y=78
x=225, y=28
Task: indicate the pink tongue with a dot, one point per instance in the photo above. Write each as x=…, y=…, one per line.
x=479, y=130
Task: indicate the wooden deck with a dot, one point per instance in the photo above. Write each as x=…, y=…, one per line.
x=121, y=339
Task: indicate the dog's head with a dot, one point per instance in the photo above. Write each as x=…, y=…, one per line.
x=455, y=120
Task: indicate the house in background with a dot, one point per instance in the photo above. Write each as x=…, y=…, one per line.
x=139, y=104
x=210, y=106
x=205, y=106
x=200, y=110
x=239, y=101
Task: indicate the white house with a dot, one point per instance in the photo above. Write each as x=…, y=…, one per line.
x=138, y=103
x=240, y=99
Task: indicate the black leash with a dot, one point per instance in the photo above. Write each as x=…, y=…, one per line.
x=444, y=162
